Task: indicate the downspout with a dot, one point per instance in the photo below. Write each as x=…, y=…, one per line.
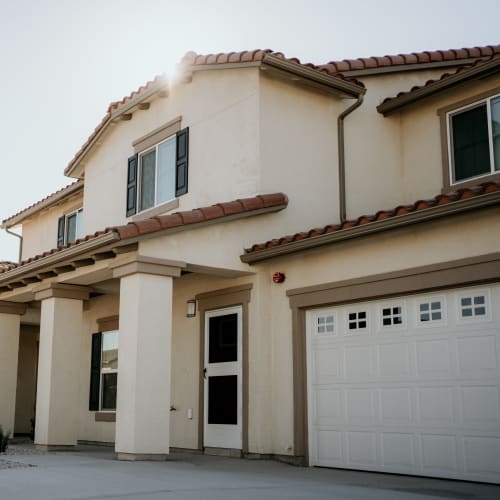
x=340, y=137
x=20, y=242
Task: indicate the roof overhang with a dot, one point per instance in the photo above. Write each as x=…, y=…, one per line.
x=49, y=201
x=399, y=221
x=481, y=70
x=159, y=88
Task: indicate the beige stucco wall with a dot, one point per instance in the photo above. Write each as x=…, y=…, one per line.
x=40, y=231
x=221, y=111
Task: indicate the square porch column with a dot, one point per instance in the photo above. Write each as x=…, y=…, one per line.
x=61, y=326
x=144, y=357
x=10, y=326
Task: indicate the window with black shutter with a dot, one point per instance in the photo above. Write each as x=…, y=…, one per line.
x=158, y=174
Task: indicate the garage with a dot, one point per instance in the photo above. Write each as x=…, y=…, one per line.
x=407, y=384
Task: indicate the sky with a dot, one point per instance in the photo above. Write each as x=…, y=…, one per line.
x=63, y=61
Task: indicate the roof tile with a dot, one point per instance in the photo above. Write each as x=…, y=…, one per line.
x=184, y=218
x=400, y=211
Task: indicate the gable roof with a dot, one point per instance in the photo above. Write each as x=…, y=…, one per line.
x=49, y=200
x=154, y=226
x=463, y=200
x=116, y=110
x=480, y=69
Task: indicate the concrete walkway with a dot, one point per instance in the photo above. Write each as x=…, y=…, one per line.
x=92, y=473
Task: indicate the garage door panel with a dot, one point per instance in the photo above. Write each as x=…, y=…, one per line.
x=398, y=450
x=437, y=406
x=482, y=455
x=433, y=358
x=481, y=405
x=439, y=453
x=394, y=388
x=396, y=406
x=477, y=355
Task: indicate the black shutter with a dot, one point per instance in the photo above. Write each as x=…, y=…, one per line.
x=95, y=372
x=60, y=231
x=181, y=172
x=132, y=186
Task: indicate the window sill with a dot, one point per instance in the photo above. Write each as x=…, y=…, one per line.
x=105, y=416
x=158, y=210
x=468, y=183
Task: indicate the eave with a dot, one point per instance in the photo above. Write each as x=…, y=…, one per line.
x=482, y=69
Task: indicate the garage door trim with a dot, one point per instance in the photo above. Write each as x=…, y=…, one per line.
x=459, y=273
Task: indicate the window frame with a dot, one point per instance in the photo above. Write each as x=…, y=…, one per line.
x=103, y=372
x=445, y=114
x=63, y=240
x=140, y=155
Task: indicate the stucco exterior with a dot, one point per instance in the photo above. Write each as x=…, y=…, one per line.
x=252, y=132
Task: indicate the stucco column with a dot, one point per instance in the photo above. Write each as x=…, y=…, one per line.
x=58, y=364
x=144, y=358
x=10, y=326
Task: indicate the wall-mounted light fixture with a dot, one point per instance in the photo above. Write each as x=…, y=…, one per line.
x=191, y=308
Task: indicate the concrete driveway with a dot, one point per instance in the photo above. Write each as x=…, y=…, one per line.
x=91, y=473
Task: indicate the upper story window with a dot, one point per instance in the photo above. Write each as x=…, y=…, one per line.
x=474, y=140
x=70, y=227
x=158, y=174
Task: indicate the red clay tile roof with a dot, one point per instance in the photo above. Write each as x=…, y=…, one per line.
x=217, y=212
x=399, y=211
x=112, y=108
x=192, y=59
x=425, y=57
x=480, y=66
x=39, y=205
x=4, y=265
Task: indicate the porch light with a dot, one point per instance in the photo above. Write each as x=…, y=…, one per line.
x=191, y=308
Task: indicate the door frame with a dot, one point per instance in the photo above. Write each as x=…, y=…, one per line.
x=212, y=313
x=220, y=299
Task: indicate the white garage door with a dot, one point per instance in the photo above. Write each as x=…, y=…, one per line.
x=408, y=385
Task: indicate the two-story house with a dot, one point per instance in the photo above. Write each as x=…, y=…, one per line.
x=270, y=258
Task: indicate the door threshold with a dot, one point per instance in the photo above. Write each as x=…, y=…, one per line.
x=223, y=452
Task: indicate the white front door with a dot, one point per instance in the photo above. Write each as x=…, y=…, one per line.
x=222, y=371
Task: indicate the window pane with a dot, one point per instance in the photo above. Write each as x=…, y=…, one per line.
x=223, y=339
x=109, y=381
x=165, y=189
x=109, y=351
x=223, y=400
x=471, y=155
x=71, y=228
x=148, y=180
x=495, y=127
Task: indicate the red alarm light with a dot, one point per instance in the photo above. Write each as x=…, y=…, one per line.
x=278, y=277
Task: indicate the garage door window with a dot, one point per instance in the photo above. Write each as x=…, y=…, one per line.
x=357, y=320
x=392, y=316
x=325, y=324
x=431, y=311
x=473, y=306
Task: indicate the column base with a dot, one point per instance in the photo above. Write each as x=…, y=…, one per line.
x=133, y=457
x=55, y=447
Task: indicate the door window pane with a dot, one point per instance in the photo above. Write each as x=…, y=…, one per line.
x=223, y=400
x=148, y=179
x=166, y=171
x=471, y=154
x=223, y=338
